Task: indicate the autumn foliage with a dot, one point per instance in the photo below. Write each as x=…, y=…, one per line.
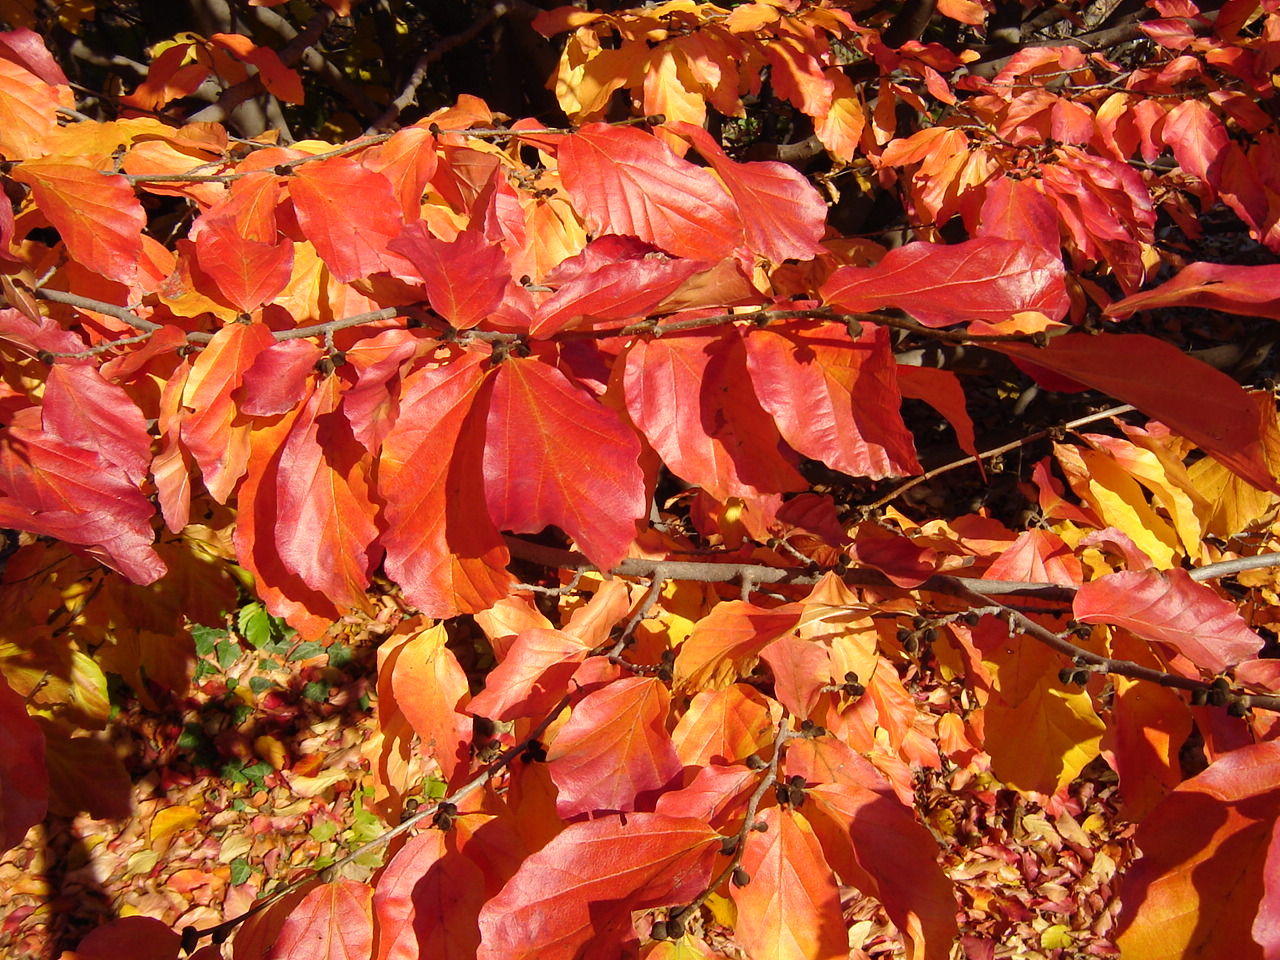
x=625, y=397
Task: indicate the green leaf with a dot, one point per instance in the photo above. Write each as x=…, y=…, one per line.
x=228, y=653
x=304, y=651
x=316, y=690
x=325, y=830
x=206, y=637
x=259, y=684
x=257, y=626
x=240, y=870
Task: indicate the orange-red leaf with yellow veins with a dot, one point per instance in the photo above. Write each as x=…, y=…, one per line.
x=97, y=215
x=426, y=902
x=248, y=273
x=622, y=180
x=283, y=592
x=28, y=111
x=465, y=278
x=573, y=899
x=441, y=547
x=614, y=754
x=791, y=908
x=333, y=922
x=834, y=400
x=88, y=411
x=532, y=677
x=1169, y=607
x=535, y=415
x=350, y=234
x=209, y=431
x=324, y=528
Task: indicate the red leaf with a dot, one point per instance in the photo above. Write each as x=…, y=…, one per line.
x=51, y=488
x=85, y=775
x=1203, y=404
x=622, y=180
x=139, y=938
x=278, y=379
x=1266, y=925
x=279, y=80
x=221, y=446
x=714, y=796
x=24, y=781
x=441, y=547
x=1017, y=210
x=1168, y=606
x=432, y=691
x=614, y=754
x=784, y=216
x=692, y=399
x=351, y=237
x=248, y=273
x=26, y=48
x=1037, y=556
x=465, y=279
x=426, y=902
x=613, y=278
x=1248, y=291
x=535, y=416
x=97, y=215
x=986, y=278
x=834, y=400
x=85, y=410
x=1198, y=885
x=791, y=908
x=333, y=922
x=532, y=678
x=573, y=899
x=1199, y=141
x=324, y=528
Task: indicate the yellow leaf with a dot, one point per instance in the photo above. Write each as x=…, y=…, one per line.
x=270, y=750
x=173, y=820
x=1043, y=743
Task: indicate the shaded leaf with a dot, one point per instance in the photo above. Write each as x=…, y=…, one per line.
x=24, y=781
x=426, y=902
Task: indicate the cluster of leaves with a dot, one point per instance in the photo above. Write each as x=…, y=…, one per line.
x=348, y=378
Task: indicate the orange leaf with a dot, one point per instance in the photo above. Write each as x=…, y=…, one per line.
x=333, y=922
x=614, y=753
x=431, y=689
x=738, y=452
x=791, y=908
x=532, y=677
x=726, y=643
x=209, y=431
x=324, y=529
x=28, y=111
x=96, y=214
x=582, y=887
x=724, y=726
x=276, y=77
x=834, y=400
x=1200, y=880
x=351, y=238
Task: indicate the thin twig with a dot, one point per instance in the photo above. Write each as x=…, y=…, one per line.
x=995, y=452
